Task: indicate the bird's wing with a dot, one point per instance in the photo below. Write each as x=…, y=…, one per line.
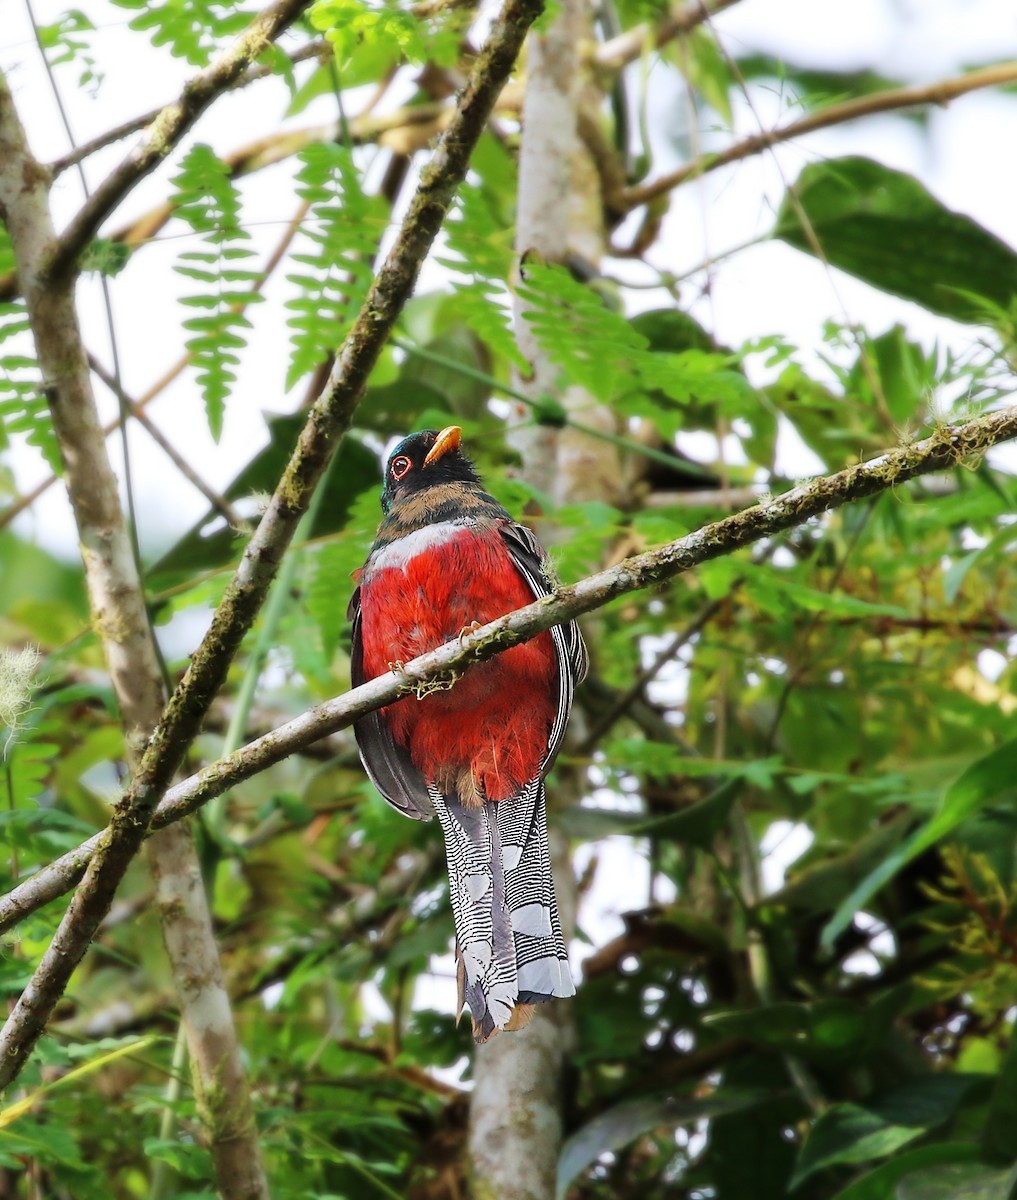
x=569, y=647
x=389, y=766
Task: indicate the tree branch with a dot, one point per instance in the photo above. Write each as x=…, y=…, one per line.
x=136, y=124
x=949, y=446
x=628, y=46
x=941, y=92
x=219, y=503
x=168, y=128
x=139, y=405
x=328, y=420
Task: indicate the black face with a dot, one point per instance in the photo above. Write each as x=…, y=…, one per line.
x=423, y=460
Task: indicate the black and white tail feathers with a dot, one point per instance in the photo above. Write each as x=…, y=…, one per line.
x=510, y=953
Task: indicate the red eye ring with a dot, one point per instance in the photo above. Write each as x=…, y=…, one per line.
x=400, y=466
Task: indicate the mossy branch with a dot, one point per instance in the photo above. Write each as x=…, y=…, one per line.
x=948, y=447
x=168, y=127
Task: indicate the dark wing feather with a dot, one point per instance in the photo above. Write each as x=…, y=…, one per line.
x=389, y=766
x=569, y=647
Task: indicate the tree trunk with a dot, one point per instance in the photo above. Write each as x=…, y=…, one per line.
x=516, y=1125
x=116, y=599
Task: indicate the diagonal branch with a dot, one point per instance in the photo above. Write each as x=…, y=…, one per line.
x=169, y=127
x=619, y=51
x=941, y=92
x=328, y=420
x=219, y=503
x=136, y=124
x=949, y=446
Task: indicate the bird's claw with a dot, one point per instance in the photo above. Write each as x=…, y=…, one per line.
x=468, y=629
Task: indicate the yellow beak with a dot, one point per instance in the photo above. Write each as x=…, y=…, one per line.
x=446, y=441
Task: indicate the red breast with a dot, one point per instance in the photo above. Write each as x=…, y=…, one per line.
x=492, y=727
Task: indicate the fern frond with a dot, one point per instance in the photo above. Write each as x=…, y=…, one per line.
x=23, y=408
x=387, y=31
x=343, y=229
x=596, y=347
x=479, y=248
x=207, y=201
x=192, y=29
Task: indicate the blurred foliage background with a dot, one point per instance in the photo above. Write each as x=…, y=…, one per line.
x=839, y=701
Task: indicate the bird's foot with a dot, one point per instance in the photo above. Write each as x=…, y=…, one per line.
x=396, y=667
x=467, y=629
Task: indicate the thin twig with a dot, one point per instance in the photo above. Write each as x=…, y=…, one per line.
x=630, y=45
x=941, y=92
x=623, y=702
x=219, y=503
x=136, y=124
x=948, y=447
x=168, y=128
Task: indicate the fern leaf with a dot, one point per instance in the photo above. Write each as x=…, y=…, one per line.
x=192, y=29
x=208, y=202
x=338, y=244
x=479, y=248
x=596, y=347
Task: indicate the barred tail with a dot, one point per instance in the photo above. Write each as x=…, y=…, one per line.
x=510, y=953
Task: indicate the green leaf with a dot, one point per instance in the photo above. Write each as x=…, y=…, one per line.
x=983, y=782
x=209, y=203
x=1001, y=1125
x=699, y=824
x=191, y=30
x=707, y=68
x=905, y=374
x=596, y=347
x=824, y=1031
x=821, y=886
x=884, y=227
x=881, y=1182
x=629, y=1120
x=957, y=1181
x=338, y=241
x=855, y=1133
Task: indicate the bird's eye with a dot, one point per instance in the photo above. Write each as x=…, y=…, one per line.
x=400, y=466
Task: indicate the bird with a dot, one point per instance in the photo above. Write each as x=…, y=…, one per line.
x=448, y=558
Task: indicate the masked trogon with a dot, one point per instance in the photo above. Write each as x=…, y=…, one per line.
x=448, y=555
